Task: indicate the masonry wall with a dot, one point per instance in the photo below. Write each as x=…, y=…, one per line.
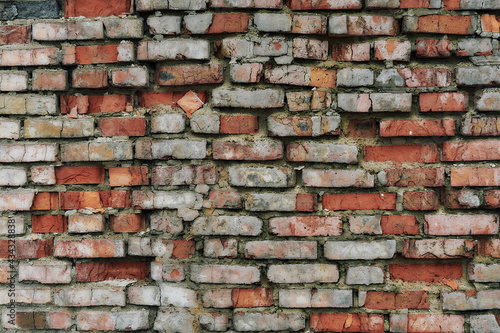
x=250, y=165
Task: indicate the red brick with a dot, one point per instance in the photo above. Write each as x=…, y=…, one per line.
x=372, y=25
x=461, y=199
x=488, y=247
x=51, y=80
x=357, y=201
x=239, y=124
x=431, y=177
x=27, y=248
x=96, y=54
x=95, y=199
x=402, y=153
x=337, y=322
x=492, y=199
x=89, y=248
x=426, y=77
x=392, y=50
x=95, y=104
x=225, y=199
x=306, y=226
x=434, y=127
x=90, y=78
x=351, y=52
x=128, y=176
x=425, y=200
x=48, y=223
x=435, y=323
x=130, y=77
x=438, y=248
x=97, y=8
x=306, y=202
x=432, y=273
x=130, y=126
x=471, y=151
x=434, y=48
x=15, y=34
x=362, y=128
x=151, y=99
x=252, y=298
x=444, y=102
x=451, y=4
x=189, y=75
x=490, y=23
x=475, y=176
x=46, y=201
x=92, y=271
x=79, y=175
x=383, y=300
x=322, y=4
x=399, y=225
x=183, y=249
x=445, y=24
x=415, y=4
x=127, y=223
x=228, y=23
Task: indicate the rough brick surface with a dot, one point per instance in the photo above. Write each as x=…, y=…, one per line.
x=250, y=165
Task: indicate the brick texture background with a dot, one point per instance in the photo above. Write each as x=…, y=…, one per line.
x=184, y=166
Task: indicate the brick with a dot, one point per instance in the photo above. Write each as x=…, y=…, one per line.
x=85, y=223
x=214, y=321
x=135, y=126
x=123, y=27
x=281, y=250
x=249, y=298
x=337, y=178
x=46, y=201
x=474, y=47
x=96, y=151
x=384, y=300
x=359, y=322
x=227, y=225
x=480, y=126
x=70, y=30
x=431, y=177
x=217, y=298
x=174, y=50
x=50, y=273
x=489, y=24
x=305, y=202
x=457, y=199
x=273, y=4
x=28, y=152
x=95, y=104
x=104, y=54
x=103, y=320
x=427, y=323
x=271, y=22
x=483, y=272
x=90, y=78
x=184, y=175
x=426, y=77
x=127, y=223
x=392, y=50
x=424, y=200
x=319, y=152
x=141, y=295
x=363, y=25
x=33, y=56
x=164, y=199
x=438, y=248
x=58, y=320
x=440, y=127
x=189, y=75
x=89, y=248
x=28, y=249
x=28, y=295
x=304, y=48
x=163, y=149
x=443, y=102
x=239, y=124
x=15, y=34
x=12, y=176
x=301, y=75
x=89, y=296
x=220, y=248
x=268, y=321
x=306, y=226
x=440, y=24
x=224, y=274
x=361, y=128
x=236, y=47
x=402, y=153
x=355, y=77
x=95, y=199
x=128, y=176
x=434, y=48
x=164, y=25
x=261, y=98
x=16, y=200
x=477, y=76
x=13, y=81
x=475, y=176
x=470, y=151
x=306, y=298
x=48, y=223
x=460, y=225
x=16, y=227
x=303, y=273
x=375, y=102
x=403, y=4
x=366, y=275
x=483, y=323
x=168, y=122
x=96, y=8
x=365, y=225
x=323, y=5
x=167, y=272
x=225, y=199
x=475, y=300
x=247, y=150
x=351, y=52
x=360, y=250
x=10, y=129
x=303, y=126
x=261, y=177
x=246, y=73
x=309, y=24
x=432, y=273
x=79, y=175
x=130, y=77
x=488, y=247
x=356, y=201
x=173, y=319
x=487, y=100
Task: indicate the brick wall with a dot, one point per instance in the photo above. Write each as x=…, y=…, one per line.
x=250, y=165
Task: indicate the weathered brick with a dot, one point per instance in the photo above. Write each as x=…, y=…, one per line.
x=58, y=320
x=480, y=126
x=227, y=225
x=50, y=273
x=434, y=48
x=104, y=54
x=420, y=200
x=70, y=30
x=351, y=52
x=487, y=100
x=15, y=34
x=128, y=176
x=224, y=274
x=438, y=248
x=360, y=250
x=94, y=8
x=96, y=151
x=281, y=250
x=48, y=223
x=123, y=27
x=16, y=200
x=165, y=199
x=439, y=127
x=27, y=248
x=460, y=225
x=268, y=321
x=305, y=202
x=89, y=248
x=321, y=152
x=247, y=150
x=444, y=102
x=272, y=4
x=246, y=73
x=189, y=75
x=363, y=25
x=319, y=298
x=309, y=24
x=264, y=98
x=173, y=50
x=337, y=322
x=337, y=178
x=483, y=272
x=365, y=225
x=357, y=201
x=364, y=275
x=391, y=300
x=110, y=321
x=226, y=199
x=220, y=248
x=33, y=56
x=127, y=223
x=13, y=80
x=470, y=151
x=165, y=25
x=10, y=176
x=431, y=177
x=426, y=77
x=304, y=48
x=323, y=5
x=238, y=124
x=306, y=226
x=483, y=323
x=440, y=24
x=475, y=300
x=477, y=75
x=261, y=177
x=184, y=175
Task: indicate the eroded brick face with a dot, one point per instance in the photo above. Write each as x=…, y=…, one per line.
x=250, y=165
